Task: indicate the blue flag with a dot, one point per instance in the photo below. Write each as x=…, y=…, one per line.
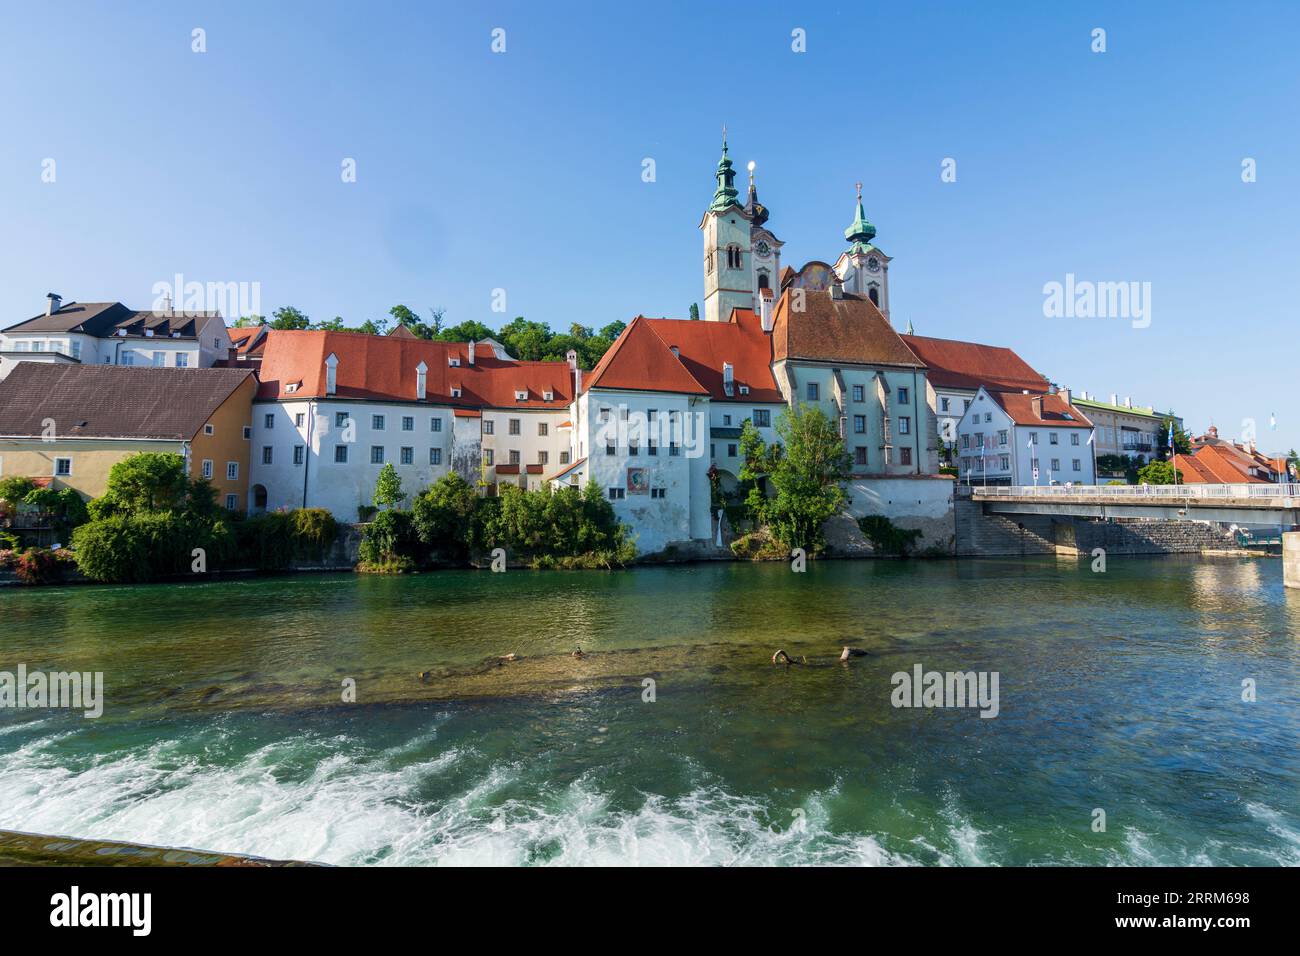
x=1171, y=438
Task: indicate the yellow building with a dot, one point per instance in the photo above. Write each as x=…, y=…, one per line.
x=70, y=424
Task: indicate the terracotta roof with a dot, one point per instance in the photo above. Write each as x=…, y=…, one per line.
x=383, y=368
x=968, y=365
x=704, y=347
x=850, y=330
x=1223, y=463
x=566, y=469
x=640, y=361
x=1021, y=409
x=113, y=401
x=400, y=331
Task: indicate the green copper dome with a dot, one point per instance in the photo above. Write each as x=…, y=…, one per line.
x=862, y=231
x=726, y=193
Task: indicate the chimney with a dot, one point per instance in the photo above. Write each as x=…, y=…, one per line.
x=728, y=378
x=421, y=381
x=1065, y=395
x=1114, y=399
x=1036, y=403
x=1128, y=402
x=765, y=309
x=572, y=357
x=471, y=351
x=52, y=303
x=837, y=289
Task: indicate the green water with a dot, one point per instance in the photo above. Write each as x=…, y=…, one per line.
x=224, y=727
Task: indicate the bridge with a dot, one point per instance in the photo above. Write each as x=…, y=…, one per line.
x=1242, y=504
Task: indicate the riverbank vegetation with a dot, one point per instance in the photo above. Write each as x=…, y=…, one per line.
x=450, y=523
x=792, y=486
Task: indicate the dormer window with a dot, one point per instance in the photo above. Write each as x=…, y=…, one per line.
x=453, y=361
x=331, y=374
x=292, y=387
x=548, y=396
x=421, y=381
x=744, y=390
x=455, y=391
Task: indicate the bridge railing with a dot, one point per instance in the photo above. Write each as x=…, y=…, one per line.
x=1140, y=492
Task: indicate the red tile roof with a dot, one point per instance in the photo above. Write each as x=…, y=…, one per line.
x=1220, y=463
x=704, y=347
x=849, y=330
x=1055, y=412
x=383, y=368
x=640, y=361
x=968, y=365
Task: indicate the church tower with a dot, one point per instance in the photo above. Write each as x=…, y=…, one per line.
x=765, y=247
x=863, y=268
x=728, y=263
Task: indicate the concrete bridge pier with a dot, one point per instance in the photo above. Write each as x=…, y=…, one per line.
x=1291, y=559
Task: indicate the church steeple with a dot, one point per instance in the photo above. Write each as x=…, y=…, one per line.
x=726, y=192
x=757, y=211
x=861, y=232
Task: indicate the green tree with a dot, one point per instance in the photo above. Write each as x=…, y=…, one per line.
x=15, y=488
x=1158, y=473
x=805, y=469
x=695, y=312
x=149, y=481
x=388, y=488
x=335, y=324
x=466, y=332
x=287, y=317
x=404, y=316
x=1182, y=443
x=249, y=321
x=443, y=513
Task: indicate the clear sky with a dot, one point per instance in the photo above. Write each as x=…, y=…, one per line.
x=522, y=170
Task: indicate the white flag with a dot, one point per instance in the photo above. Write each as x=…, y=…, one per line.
x=1092, y=435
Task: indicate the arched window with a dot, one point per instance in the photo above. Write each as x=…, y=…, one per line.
x=733, y=257
x=873, y=293
x=763, y=281
x=708, y=263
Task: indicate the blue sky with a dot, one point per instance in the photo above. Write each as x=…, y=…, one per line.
x=522, y=170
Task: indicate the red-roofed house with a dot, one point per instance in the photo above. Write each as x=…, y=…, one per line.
x=1217, y=461
x=334, y=407
x=1025, y=438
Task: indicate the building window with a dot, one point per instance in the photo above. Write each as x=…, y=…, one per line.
x=859, y=455
x=489, y=458
x=674, y=450
x=726, y=420
x=268, y=420
x=543, y=458
x=408, y=423
x=859, y=393
x=182, y=360
x=407, y=455
x=513, y=426
x=207, y=468
x=514, y=456
x=128, y=358
x=988, y=416
x=1004, y=461
x=633, y=449
x=814, y=392
x=62, y=467
x=1002, y=437
x=232, y=471
x=616, y=494
x=904, y=426
x=376, y=454
x=1033, y=438
x=731, y=451
x=299, y=420
x=159, y=359
x=762, y=418
x=651, y=448
x=873, y=294
x=658, y=492
x=248, y=433
x=859, y=424
x=299, y=452
x=489, y=426
x=1074, y=438
x=1053, y=439
x=543, y=429
x=603, y=415
x=904, y=456
x=943, y=404
x=965, y=404
x=902, y=396
x=609, y=448
x=232, y=502
x=377, y=422
x=965, y=441
x=1077, y=465
x=435, y=424
x=564, y=458
x=1056, y=464
x=340, y=419
x=267, y=453
x=208, y=429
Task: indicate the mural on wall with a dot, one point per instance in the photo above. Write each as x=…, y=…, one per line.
x=638, y=481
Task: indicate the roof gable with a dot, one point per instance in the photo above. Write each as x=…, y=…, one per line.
x=640, y=361
x=849, y=330
x=968, y=365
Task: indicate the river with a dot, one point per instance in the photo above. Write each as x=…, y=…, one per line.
x=673, y=739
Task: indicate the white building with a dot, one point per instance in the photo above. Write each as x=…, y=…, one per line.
x=108, y=333
x=1025, y=438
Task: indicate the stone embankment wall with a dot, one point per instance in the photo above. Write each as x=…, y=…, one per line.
x=980, y=534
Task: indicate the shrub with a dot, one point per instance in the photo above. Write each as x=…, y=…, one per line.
x=391, y=535
x=552, y=527
x=443, y=515
x=112, y=549
x=41, y=566
x=887, y=537
x=132, y=548
x=314, y=532
x=15, y=488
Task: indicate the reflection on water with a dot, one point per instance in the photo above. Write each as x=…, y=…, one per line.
x=224, y=727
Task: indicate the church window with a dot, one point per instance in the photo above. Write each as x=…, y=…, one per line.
x=708, y=263
x=734, y=260
x=873, y=293
x=763, y=281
